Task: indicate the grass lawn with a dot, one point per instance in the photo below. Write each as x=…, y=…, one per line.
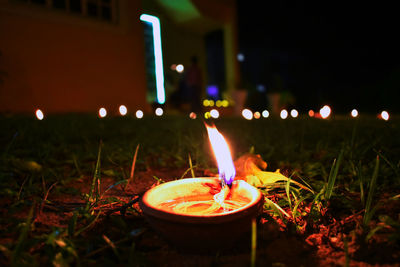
x=67, y=197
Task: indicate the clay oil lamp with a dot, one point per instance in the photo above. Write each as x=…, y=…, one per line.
x=207, y=213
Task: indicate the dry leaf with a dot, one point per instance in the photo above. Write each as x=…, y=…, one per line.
x=249, y=164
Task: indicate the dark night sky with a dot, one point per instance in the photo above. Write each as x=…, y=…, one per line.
x=345, y=54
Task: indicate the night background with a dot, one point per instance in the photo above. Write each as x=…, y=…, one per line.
x=344, y=53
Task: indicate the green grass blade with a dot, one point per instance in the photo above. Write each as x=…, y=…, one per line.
x=158, y=179
x=132, y=168
x=112, y=246
x=287, y=189
x=373, y=231
x=361, y=181
x=253, y=243
x=332, y=176
x=394, y=168
x=306, y=184
x=372, y=187
x=276, y=208
x=77, y=233
x=186, y=172
x=94, y=193
x=191, y=167
x=46, y=196
x=315, y=200
x=297, y=206
x=112, y=186
x=22, y=237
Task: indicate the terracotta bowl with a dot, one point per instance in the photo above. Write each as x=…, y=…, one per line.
x=200, y=232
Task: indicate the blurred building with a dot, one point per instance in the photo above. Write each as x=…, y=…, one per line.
x=79, y=55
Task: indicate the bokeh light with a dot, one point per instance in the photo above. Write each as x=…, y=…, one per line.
x=102, y=112
x=159, y=112
x=354, y=113
x=311, y=113
x=257, y=115
x=325, y=111
x=294, y=113
x=192, y=115
x=247, y=114
x=39, y=114
x=123, y=110
x=179, y=68
x=139, y=114
x=214, y=113
x=385, y=115
x=265, y=113
x=284, y=114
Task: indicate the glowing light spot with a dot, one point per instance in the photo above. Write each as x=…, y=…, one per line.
x=207, y=115
x=261, y=88
x=257, y=115
x=180, y=68
x=173, y=67
x=354, y=113
x=265, y=113
x=225, y=103
x=139, y=114
x=159, y=112
x=284, y=114
x=294, y=113
x=206, y=103
x=311, y=113
x=192, y=115
x=247, y=114
x=158, y=58
x=214, y=113
x=212, y=91
x=325, y=111
x=102, y=112
x=240, y=57
x=211, y=103
x=39, y=114
x=123, y=110
x=385, y=115
x=218, y=103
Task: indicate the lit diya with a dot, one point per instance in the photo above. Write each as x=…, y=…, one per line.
x=204, y=213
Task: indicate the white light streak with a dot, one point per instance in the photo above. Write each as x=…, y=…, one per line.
x=158, y=57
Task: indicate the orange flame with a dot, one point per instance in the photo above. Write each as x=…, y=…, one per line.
x=222, y=154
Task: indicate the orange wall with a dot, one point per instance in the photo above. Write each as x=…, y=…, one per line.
x=61, y=63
